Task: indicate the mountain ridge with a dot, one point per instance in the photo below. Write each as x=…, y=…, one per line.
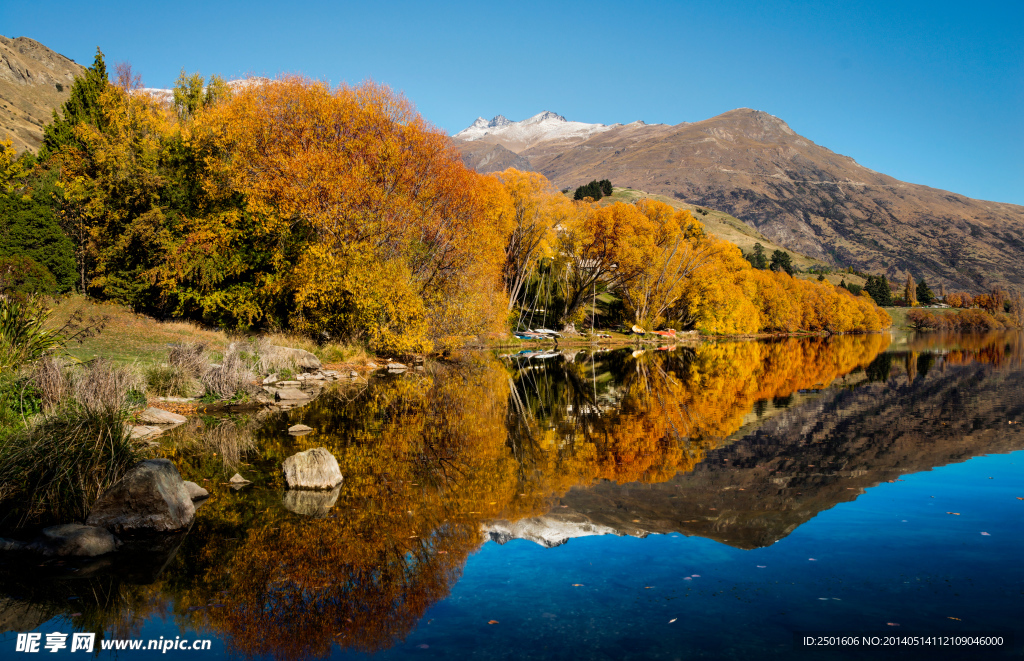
x=34, y=80
x=754, y=166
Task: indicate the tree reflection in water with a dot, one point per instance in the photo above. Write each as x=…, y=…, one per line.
x=428, y=458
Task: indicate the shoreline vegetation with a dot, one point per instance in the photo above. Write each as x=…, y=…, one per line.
x=293, y=233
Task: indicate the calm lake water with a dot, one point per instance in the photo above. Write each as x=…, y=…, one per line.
x=719, y=501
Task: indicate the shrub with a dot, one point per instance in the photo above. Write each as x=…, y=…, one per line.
x=23, y=333
x=968, y=320
x=231, y=376
x=52, y=379
x=55, y=471
x=103, y=386
x=172, y=381
x=23, y=275
x=191, y=358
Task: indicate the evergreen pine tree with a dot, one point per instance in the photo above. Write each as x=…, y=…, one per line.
x=781, y=262
x=924, y=293
x=82, y=106
x=606, y=187
x=759, y=261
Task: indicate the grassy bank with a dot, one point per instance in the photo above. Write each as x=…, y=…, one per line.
x=899, y=315
x=129, y=338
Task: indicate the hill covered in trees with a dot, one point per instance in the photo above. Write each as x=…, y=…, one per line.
x=339, y=212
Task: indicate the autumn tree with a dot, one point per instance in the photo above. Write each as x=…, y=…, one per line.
x=376, y=187
x=663, y=253
x=535, y=211
x=600, y=245
x=910, y=292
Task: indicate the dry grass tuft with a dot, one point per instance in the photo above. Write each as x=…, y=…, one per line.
x=231, y=376
x=190, y=357
x=103, y=386
x=51, y=375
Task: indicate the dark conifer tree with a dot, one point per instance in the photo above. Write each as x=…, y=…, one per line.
x=82, y=106
x=781, y=262
x=924, y=293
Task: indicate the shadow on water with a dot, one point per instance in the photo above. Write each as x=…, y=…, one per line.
x=738, y=442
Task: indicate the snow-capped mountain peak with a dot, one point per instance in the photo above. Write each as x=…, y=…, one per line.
x=523, y=134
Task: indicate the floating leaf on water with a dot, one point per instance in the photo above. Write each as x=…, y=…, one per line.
x=687, y=578
x=492, y=621
x=673, y=620
x=954, y=513
x=695, y=575
x=577, y=585
x=761, y=566
x=648, y=587
x=812, y=559
x=986, y=534
x=893, y=624
x=636, y=520
x=948, y=617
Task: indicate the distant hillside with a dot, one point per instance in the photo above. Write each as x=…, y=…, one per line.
x=798, y=194
x=34, y=80
x=485, y=157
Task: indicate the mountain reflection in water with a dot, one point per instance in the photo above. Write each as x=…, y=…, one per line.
x=740, y=442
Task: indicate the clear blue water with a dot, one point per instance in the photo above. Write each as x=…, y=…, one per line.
x=887, y=507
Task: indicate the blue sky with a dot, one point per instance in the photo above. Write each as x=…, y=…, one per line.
x=929, y=92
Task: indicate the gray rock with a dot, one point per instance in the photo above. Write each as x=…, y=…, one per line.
x=299, y=429
x=74, y=539
x=317, y=504
x=12, y=545
x=272, y=378
x=155, y=416
x=371, y=366
x=238, y=479
x=289, y=384
x=301, y=358
x=312, y=469
x=195, y=492
x=397, y=367
x=354, y=374
x=151, y=496
x=140, y=432
x=290, y=394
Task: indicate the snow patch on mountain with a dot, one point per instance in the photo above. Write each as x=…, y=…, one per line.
x=544, y=126
x=167, y=96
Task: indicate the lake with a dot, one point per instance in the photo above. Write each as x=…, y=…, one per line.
x=727, y=500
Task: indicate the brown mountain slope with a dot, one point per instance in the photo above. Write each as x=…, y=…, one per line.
x=803, y=196
x=485, y=157
x=34, y=81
